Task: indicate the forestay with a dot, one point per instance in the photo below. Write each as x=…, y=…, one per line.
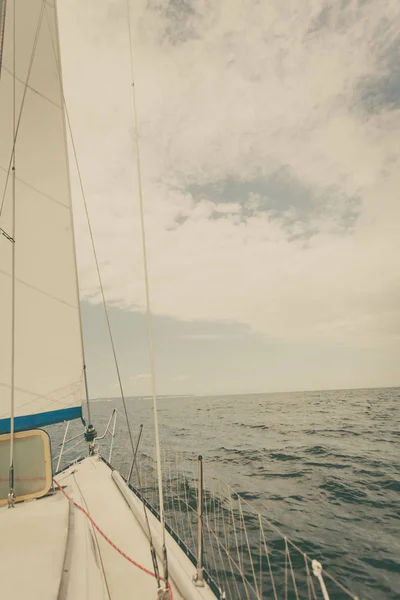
x=48, y=352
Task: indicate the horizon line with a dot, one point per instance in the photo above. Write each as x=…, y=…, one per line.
x=208, y=395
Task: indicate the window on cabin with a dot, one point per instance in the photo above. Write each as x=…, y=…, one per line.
x=32, y=465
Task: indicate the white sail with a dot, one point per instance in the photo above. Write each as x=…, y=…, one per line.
x=48, y=352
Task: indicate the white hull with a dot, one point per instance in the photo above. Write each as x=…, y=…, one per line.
x=50, y=549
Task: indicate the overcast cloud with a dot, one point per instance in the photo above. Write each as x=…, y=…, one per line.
x=270, y=136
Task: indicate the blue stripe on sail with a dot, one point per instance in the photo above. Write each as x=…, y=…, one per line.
x=41, y=419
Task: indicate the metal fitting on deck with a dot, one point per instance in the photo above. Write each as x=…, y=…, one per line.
x=90, y=433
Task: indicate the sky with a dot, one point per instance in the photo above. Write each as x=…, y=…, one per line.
x=269, y=136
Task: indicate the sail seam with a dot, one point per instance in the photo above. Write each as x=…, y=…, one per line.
x=31, y=88
x=40, y=291
x=23, y=102
x=45, y=397
x=24, y=182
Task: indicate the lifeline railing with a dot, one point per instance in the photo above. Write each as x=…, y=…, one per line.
x=238, y=551
x=80, y=438
x=242, y=551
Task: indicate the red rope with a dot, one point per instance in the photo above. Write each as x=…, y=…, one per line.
x=128, y=558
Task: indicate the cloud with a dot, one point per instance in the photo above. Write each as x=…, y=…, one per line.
x=380, y=90
x=270, y=176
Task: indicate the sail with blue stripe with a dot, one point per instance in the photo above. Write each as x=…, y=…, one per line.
x=48, y=363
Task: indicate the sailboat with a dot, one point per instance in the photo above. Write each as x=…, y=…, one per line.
x=83, y=532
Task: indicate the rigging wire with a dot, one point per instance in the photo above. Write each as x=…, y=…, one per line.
x=82, y=189
x=2, y=28
x=147, y=292
x=26, y=86
x=152, y=548
x=11, y=495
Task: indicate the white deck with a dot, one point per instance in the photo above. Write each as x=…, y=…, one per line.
x=40, y=541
